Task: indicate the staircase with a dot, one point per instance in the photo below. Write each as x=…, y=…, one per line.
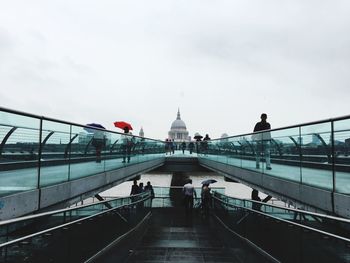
x=173, y=237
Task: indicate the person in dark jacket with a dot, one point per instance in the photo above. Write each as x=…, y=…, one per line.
x=205, y=144
x=135, y=189
x=183, y=147
x=127, y=144
x=149, y=187
x=191, y=147
x=255, y=197
x=262, y=141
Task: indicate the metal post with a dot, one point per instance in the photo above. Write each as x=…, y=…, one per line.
x=300, y=156
x=70, y=150
x=333, y=164
x=39, y=162
x=40, y=152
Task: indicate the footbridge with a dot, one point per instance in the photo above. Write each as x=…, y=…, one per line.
x=47, y=164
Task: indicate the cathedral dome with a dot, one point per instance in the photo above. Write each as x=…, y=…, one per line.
x=178, y=131
x=178, y=123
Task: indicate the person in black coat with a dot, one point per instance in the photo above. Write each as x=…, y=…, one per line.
x=262, y=141
x=255, y=197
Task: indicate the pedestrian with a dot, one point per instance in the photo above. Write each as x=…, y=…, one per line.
x=183, y=147
x=198, y=143
x=255, y=197
x=98, y=141
x=127, y=144
x=141, y=190
x=189, y=193
x=262, y=141
x=191, y=147
x=149, y=187
x=205, y=144
x=135, y=188
x=206, y=199
x=172, y=146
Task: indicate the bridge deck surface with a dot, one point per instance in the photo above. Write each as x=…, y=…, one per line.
x=173, y=237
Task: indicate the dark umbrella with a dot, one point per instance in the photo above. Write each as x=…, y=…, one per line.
x=93, y=125
x=197, y=136
x=209, y=181
x=122, y=125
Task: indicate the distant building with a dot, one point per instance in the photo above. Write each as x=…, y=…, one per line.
x=178, y=131
x=141, y=133
x=224, y=135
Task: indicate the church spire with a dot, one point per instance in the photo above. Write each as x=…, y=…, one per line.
x=141, y=133
x=178, y=114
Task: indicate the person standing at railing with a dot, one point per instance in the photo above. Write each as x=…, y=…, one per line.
x=189, y=193
x=135, y=189
x=255, y=197
x=262, y=141
x=149, y=187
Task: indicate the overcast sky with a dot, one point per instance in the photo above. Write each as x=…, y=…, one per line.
x=222, y=63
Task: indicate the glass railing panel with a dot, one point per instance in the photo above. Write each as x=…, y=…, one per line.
x=287, y=241
x=77, y=241
x=316, y=150
x=27, y=226
x=54, y=153
x=282, y=152
x=333, y=225
x=113, y=152
x=342, y=156
x=234, y=150
x=249, y=145
x=215, y=152
x=85, y=158
x=19, y=148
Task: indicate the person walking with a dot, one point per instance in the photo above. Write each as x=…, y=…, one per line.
x=98, y=141
x=135, y=188
x=205, y=144
x=262, y=141
x=206, y=199
x=149, y=187
x=183, y=147
x=172, y=146
x=191, y=147
x=127, y=145
x=189, y=193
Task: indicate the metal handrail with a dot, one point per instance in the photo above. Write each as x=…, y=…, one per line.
x=244, y=134
x=286, y=221
x=340, y=219
x=70, y=223
x=24, y=218
x=288, y=127
x=67, y=122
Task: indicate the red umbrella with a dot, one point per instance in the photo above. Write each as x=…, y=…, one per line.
x=122, y=125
